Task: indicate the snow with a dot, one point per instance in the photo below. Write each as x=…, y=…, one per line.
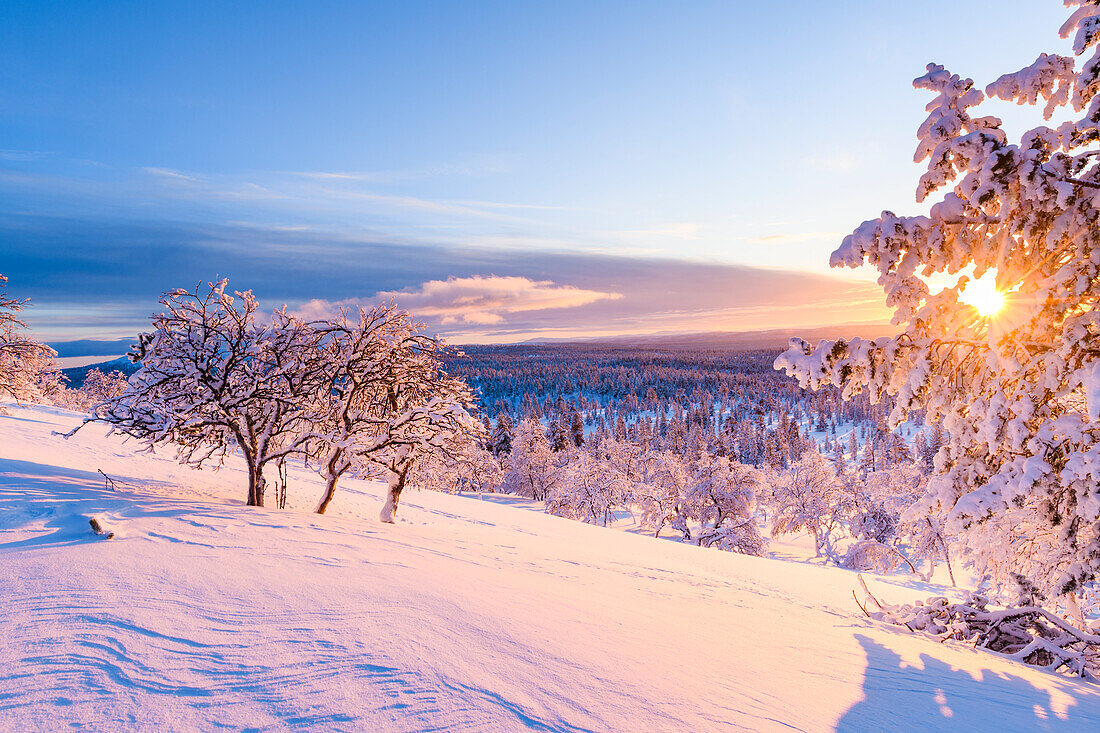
x=202, y=613
x=1090, y=380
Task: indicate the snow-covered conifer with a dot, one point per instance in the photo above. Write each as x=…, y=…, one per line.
x=500, y=439
x=1013, y=375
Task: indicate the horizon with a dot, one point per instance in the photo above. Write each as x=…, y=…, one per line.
x=506, y=175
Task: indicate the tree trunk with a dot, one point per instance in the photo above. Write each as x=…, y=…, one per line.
x=255, y=485
x=947, y=560
x=332, y=476
x=326, y=498
x=389, y=509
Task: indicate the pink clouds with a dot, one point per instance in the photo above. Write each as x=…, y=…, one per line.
x=480, y=300
x=486, y=299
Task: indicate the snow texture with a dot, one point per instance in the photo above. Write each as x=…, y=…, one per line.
x=466, y=614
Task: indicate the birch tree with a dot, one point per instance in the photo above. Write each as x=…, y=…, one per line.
x=214, y=380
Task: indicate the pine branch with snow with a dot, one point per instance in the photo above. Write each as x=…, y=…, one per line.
x=1018, y=476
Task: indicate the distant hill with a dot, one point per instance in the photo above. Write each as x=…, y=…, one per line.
x=76, y=375
x=89, y=347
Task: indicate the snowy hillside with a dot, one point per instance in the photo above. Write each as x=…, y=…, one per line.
x=469, y=613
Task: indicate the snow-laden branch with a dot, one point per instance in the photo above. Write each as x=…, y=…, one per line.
x=1018, y=391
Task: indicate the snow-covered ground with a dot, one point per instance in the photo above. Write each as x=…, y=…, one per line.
x=202, y=614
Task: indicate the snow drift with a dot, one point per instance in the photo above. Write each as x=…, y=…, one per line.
x=468, y=613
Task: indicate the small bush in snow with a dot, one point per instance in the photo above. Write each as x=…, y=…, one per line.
x=27, y=368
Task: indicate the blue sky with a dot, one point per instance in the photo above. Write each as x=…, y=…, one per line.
x=578, y=168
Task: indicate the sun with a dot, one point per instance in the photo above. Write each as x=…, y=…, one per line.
x=983, y=295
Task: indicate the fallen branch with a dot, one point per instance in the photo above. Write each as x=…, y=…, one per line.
x=1027, y=634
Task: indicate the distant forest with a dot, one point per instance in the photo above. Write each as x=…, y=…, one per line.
x=731, y=401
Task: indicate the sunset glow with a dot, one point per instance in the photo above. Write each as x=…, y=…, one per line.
x=983, y=295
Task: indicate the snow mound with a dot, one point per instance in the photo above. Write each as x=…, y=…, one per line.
x=465, y=614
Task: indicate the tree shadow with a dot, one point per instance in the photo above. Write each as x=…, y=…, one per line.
x=936, y=696
x=62, y=500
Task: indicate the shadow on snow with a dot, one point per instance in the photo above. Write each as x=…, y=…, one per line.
x=65, y=498
x=936, y=696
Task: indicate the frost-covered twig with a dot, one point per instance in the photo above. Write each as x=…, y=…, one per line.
x=108, y=482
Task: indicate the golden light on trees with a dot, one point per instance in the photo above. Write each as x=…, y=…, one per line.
x=983, y=295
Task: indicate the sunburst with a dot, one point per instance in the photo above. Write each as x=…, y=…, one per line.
x=983, y=295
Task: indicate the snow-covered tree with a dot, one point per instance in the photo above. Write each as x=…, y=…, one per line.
x=213, y=380
x=500, y=438
x=386, y=402
x=922, y=526
x=810, y=497
x=722, y=499
x=97, y=387
x=662, y=491
x=576, y=430
x=588, y=488
x=27, y=368
x=1014, y=372
x=461, y=464
x=530, y=469
x=102, y=386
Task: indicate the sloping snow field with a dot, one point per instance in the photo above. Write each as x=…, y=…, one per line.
x=468, y=614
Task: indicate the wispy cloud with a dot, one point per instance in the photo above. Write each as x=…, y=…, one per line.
x=334, y=176
x=168, y=173
x=795, y=236
x=23, y=155
x=674, y=230
x=475, y=167
x=416, y=203
x=511, y=205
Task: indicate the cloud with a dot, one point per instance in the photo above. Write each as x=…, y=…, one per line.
x=675, y=230
x=510, y=205
x=480, y=300
x=22, y=156
x=796, y=236
x=168, y=173
x=334, y=175
x=115, y=270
